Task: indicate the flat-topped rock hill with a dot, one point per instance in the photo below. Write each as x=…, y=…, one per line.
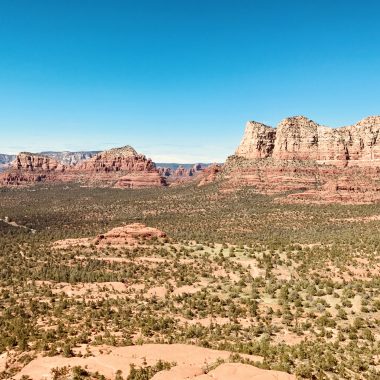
x=314, y=162
x=299, y=138
x=117, y=159
x=119, y=167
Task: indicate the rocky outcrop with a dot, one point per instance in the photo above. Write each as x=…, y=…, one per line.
x=124, y=159
x=130, y=234
x=119, y=167
x=314, y=162
x=29, y=168
x=31, y=162
x=209, y=174
x=139, y=181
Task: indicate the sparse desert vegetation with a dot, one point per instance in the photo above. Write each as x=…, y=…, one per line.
x=288, y=287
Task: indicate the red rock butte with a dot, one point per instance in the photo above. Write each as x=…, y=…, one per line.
x=299, y=138
x=325, y=164
x=119, y=167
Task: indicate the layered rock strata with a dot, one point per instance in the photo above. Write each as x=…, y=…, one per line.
x=119, y=167
x=314, y=162
x=299, y=138
x=181, y=172
x=29, y=168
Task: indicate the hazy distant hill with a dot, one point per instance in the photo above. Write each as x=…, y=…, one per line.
x=5, y=160
x=174, y=166
x=66, y=158
x=70, y=158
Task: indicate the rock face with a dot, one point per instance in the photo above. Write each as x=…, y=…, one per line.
x=315, y=162
x=31, y=162
x=119, y=167
x=258, y=141
x=299, y=138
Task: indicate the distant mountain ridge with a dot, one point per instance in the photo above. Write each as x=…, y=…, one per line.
x=120, y=167
x=175, y=166
x=5, y=160
x=71, y=158
x=64, y=157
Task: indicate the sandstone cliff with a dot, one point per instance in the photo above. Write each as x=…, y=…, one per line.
x=299, y=138
x=29, y=168
x=33, y=162
x=314, y=162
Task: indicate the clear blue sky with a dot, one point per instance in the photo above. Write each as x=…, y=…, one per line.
x=178, y=79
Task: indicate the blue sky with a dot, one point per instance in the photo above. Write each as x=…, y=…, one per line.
x=178, y=79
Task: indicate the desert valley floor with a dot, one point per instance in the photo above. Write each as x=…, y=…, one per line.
x=218, y=278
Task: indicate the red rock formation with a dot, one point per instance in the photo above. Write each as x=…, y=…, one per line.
x=124, y=159
x=318, y=162
x=138, y=181
x=209, y=174
x=130, y=234
x=120, y=167
x=33, y=162
x=258, y=141
x=29, y=168
x=299, y=138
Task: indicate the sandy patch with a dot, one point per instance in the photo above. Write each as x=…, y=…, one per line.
x=223, y=274
x=186, y=289
x=250, y=264
x=80, y=289
x=225, y=371
x=120, y=358
x=158, y=291
x=3, y=361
